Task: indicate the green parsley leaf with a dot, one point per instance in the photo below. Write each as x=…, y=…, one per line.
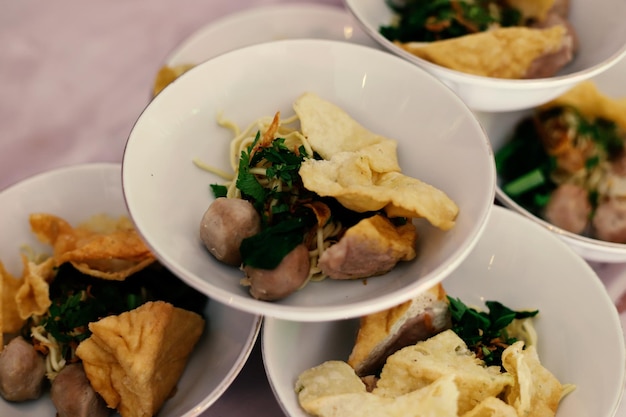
x=267, y=249
x=484, y=332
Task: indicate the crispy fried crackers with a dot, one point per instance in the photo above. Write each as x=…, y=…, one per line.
x=592, y=103
x=102, y=247
x=439, y=376
x=360, y=168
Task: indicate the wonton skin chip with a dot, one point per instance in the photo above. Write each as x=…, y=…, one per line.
x=10, y=320
x=167, y=74
x=492, y=407
x=135, y=359
x=360, y=169
x=500, y=53
x=109, y=253
x=592, y=103
x=350, y=179
x=33, y=296
x=536, y=391
x=442, y=355
x=330, y=130
x=332, y=389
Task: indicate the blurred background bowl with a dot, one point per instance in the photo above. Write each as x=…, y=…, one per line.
x=77, y=193
x=521, y=265
x=601, y=32
x=500, y=126
x=439, y=142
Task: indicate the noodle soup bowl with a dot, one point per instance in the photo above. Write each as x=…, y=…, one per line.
x=521, y=265
x=601, y=37
x=439, y=142
x=76, y=193
x=500, y=128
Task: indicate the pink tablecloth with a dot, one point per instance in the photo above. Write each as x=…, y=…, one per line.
x=75, y=75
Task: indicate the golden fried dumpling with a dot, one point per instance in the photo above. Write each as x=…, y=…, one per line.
x=134, y=360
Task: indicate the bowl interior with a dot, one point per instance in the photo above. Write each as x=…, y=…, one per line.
x=440, y=142
x=499, y=127
x=521, y=265
x=76, y=193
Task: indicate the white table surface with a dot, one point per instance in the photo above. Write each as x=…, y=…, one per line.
x=75, y=75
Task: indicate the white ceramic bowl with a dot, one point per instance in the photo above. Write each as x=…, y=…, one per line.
x=602, y=35
x=76, y=193
x=267, y=23
x=521, y=265
x=499, y=127
x=440, y=142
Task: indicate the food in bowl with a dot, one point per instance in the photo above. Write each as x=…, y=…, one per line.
x=323, y=199
x=473, y=363
x=564, y=163
x=501, y=39
x=78, y=320
x=167, y=195
x=523, y=266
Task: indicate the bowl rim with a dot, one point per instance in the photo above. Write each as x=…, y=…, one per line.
x=483, y=81
x=38, y=176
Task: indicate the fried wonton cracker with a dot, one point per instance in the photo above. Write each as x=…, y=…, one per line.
x=33, y=296
x=134, y=360
x=106, y=249
x=591, y=102
x=506, y=52
x=536, y=392
x=360, y=168
x=492, y=407
x=332, y=389
x=22, y=296
x=167, y=74
x=445, y=354
x=350, y=178
x=331, y=130
x=10, y=320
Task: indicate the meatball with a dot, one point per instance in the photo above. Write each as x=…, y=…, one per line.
x=286, y=278
x=609, y=221
x=73, y=396
x=22, y=371
x=569, y=208
x=225, y=224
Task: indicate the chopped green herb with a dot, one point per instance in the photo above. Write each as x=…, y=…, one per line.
x=484, y=332
x=79, y=299
x=267, y=249
x=219, y=190
x=432, y=20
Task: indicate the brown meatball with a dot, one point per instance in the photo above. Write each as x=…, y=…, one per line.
x=286, y=278
x=569, y=208
x=609, y=221
x=22, y=371
x=549, y=64
x=73, y=396
x=226, y=223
